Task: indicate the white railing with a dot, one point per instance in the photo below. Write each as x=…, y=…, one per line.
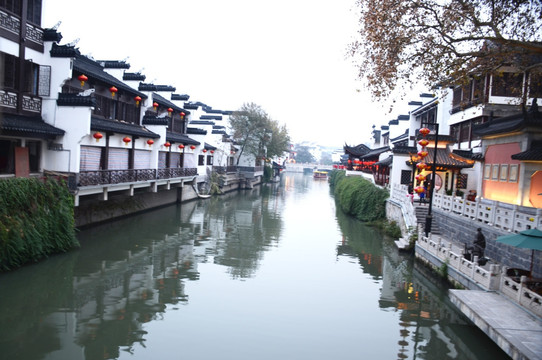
x=504, y=216
x=492, y=279
x=400, y=195
x=508, y=217
x=520, y=293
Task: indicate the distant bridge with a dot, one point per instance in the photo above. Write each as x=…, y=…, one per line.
x=298, y=168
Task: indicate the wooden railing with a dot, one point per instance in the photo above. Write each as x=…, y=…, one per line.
x=106, y=177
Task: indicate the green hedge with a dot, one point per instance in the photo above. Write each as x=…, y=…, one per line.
x=36, y=220
x=359, y=197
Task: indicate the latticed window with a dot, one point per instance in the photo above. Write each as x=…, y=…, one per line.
x=8, y=68
x=462, y=180
x=507, y=84
x=13, y=6
x=535, y=85
x=406, y=177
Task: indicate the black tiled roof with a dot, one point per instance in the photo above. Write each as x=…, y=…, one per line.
x=165, y=102
x=393, y=122
x=65, y=99
x=405, y=150
x=191, y=106
x=121, y=127
x=375, y=153
x=526, y=119
x=220, y=132
x=201, y=122
x=209, y=147
x=403, y=117
x=179, y=97
x=92, y=69
x=180, y=138
x=468, y=154
x=386, y=162
x=133, y=77
x=415, y=103
x=529, y=155
x=404, y=136
x=196, y=131
x=51, y=35
x=441, y=138
x=533, y=154
x=210, y=117
x=154, y=120
x=61, y=51
x=152, y=87
x=216, y=127
x=32, y=127
x=445, y=159
x=426, y=95
x=358, y=150
x=113, y=64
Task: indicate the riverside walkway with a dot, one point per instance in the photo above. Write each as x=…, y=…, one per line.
x=516, y=331
x=493, y=300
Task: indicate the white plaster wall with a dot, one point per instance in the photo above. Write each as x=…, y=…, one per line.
x=75, y=121
x=9, y=47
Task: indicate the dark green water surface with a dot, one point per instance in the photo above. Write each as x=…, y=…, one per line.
x=272, y=273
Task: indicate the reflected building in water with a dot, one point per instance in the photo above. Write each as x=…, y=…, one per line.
x=107, y=293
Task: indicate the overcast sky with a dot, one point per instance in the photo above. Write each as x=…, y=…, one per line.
x=288, y=56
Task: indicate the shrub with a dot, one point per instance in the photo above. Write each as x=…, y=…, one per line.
x=360, y=198
x=36, y=220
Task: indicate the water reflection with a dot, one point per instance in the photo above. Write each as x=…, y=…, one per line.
x=224, y=278
x=429, y=323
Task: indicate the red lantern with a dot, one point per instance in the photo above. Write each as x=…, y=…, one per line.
x=349, y=161
x=113, y=91
x=424, y=131
x=169, y=110
x=137, y=100
x=97, y=136
x=212, y=151
x=155, y=105
x=150, y=142
x=232, y=152
x=422, y=154
x=181, y=146
x=420, y=177
x=182, y=115
x=82, y=78
x=421, y=165
x=423, y=142
x=192, y=147
x=419, y=189
x=126, y=140
x=167, y=144
x=204, y=150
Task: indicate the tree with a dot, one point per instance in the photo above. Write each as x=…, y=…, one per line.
x=256, y=133
x=444, y=42
x=279, y=143
x=303, y=155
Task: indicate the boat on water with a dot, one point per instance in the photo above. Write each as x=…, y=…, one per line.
x=320, y=174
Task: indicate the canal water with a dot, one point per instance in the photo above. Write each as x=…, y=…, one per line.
x=277, y=272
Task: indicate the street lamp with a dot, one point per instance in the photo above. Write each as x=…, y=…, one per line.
x=429, y=217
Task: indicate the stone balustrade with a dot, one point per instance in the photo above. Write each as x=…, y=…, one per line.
x=504, y=216
x=491, y=278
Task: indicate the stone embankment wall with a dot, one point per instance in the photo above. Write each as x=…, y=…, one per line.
x=92, y=210
x=462, y=229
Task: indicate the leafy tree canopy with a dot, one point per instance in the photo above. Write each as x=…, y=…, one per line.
x=303, y=155
x=256, y=133
x=443, y=42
